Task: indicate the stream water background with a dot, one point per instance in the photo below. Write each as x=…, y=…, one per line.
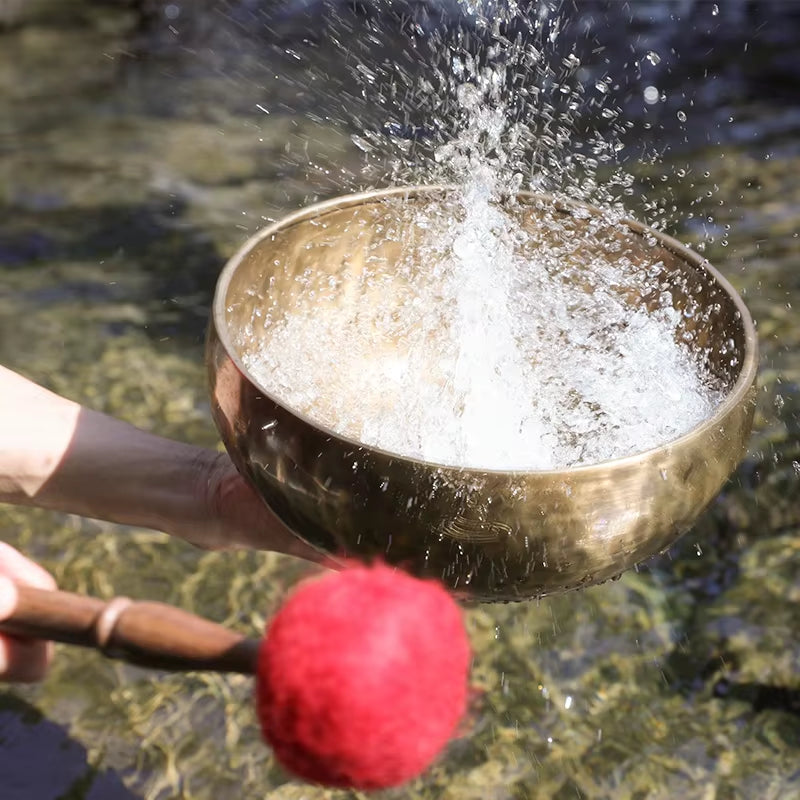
x=133, y=160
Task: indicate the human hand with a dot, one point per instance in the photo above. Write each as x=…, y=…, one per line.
x=21, y=659
x=59, y=455
x=233, y=515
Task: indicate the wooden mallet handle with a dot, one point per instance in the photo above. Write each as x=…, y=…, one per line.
x=148, y=634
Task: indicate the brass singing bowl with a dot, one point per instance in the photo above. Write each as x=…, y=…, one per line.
x=489, y=535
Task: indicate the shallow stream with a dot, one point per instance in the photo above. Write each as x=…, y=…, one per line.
x=133, y=160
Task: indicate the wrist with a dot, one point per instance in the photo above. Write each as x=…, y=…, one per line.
x=190, y=509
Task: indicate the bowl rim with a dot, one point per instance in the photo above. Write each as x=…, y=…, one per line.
x=735, y=397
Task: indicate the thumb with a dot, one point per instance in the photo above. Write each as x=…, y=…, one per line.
x=20, y=659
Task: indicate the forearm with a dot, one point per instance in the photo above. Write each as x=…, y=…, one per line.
x=56, y=454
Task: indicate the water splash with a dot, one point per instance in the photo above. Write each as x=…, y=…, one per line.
x=504, y=92
x=518, y=347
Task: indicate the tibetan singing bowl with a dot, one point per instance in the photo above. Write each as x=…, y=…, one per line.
x=488, y=534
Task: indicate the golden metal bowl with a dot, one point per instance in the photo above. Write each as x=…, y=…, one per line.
x=490, y=535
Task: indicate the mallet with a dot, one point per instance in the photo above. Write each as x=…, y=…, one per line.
x=361, y=678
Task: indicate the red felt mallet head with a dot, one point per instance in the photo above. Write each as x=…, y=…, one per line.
x=362, y=677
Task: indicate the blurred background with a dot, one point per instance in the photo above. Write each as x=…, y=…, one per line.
x=142, y=141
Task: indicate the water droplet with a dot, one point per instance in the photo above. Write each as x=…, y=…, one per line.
x=653, y=57
x=568, y=702
x=681, y=116
x=715, y=10
x=360, y=143
x=650, y=95
x=698, y=549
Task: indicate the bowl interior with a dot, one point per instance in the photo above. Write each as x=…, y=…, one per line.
x=368, y=260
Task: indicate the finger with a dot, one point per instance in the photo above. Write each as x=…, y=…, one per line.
x=24, y=660
x=20, y=659
x=15, y=565
x=257, y=526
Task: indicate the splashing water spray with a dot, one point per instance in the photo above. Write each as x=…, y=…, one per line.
x=514, y=362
